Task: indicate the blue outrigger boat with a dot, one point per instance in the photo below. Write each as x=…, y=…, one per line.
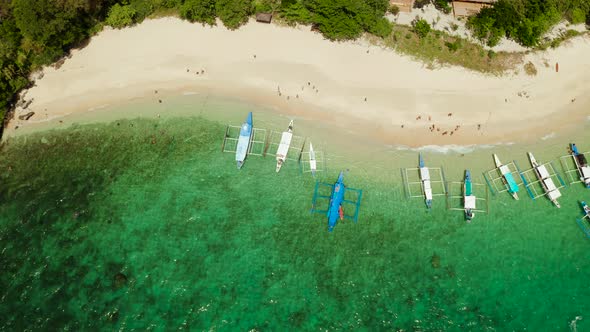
x=584, y=222
x=337, y=199
x=244, y=141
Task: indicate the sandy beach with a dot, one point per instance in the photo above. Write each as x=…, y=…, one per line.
x=360, y=86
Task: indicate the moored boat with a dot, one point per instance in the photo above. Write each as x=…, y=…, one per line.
x=244, y=141
x=425, y=179
x=581, y=165
x=551, y=191
x=312, y=160
x=469, y=199
x=586, y=209
x=284, y=146
x=507, y=177
x=584, y=222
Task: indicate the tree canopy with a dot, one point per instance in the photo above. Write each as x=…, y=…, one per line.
x=525, y=21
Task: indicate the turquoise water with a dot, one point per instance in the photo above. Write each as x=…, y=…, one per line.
x=145, y=224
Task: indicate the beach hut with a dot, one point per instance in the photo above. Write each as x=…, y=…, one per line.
x=470, y=7
x=263, y=17
x=403, y=5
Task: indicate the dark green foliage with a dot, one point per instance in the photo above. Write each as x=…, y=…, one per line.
x=381, y=28
x=266, y=6
x=46, y=25
x=443, y=6
x=294, y=11
x=578, y=16
x=143, y=8
x=120, y=16
x=454, y=46
x=199, y=11
x=421, y=27
x=421, y=3
x=233, y=13
x=347, y=19
x=525, y=21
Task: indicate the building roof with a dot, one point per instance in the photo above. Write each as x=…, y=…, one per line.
x=264, y=17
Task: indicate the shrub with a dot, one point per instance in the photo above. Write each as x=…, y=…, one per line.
x=266, y=6
x=233, y=13
x=578, y=16
x=421, y=27
x=382, y=28
x=295, y=13
x=120, y=16
x=443, y=6
x=394, y=9
x=199, y=11
x=454, y=46
x=522, y=21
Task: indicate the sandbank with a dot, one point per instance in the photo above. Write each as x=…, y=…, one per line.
x=359, y=86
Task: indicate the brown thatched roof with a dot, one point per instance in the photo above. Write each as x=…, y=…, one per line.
x=264, y=17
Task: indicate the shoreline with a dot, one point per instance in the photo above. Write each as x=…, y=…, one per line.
x=401, y=95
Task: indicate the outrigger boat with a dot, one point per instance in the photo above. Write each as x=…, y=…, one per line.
x=581, y=165
x=284, y=146
x=584, y=222
x=425, y=177
x=312, y=160
x=586, y=209
x=336, y=200
x=507, y=177
x=244, y=140
x=465, y=200
x=469, y=199
x=544, y=177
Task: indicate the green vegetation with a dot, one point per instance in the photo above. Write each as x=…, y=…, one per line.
x=340, y=19
x=443, y=6
x=439, y=48
x=421, y=27
x=199, y=11
x=525, y=21
x=120, y=16
x=233, y=13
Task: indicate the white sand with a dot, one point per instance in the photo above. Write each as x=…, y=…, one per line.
x=120, y=65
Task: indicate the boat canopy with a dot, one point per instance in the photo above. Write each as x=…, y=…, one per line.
x=470, y=202
x=543, y=172
x=549, y=184
x=553, y=195
x=512, y=185
x=424, y=173
x=284, y=145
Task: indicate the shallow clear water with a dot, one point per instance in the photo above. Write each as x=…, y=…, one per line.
x=146, y=224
